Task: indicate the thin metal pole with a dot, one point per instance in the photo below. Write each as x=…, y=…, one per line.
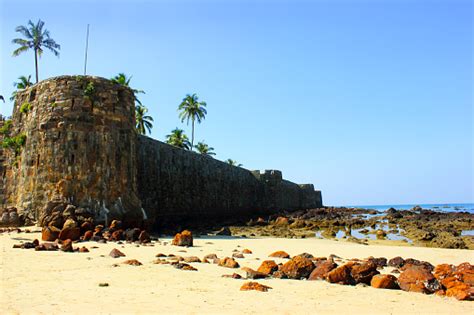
x=87, y=47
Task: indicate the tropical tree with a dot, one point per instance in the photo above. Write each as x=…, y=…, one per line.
x=233, y=162
x=122, y=79
x=143, y=121
x=204, y=149
x=178, y=139
x=191, y=109
x=36, y=38
x=23, y=83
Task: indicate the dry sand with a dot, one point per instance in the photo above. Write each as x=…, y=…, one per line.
x=57, y=282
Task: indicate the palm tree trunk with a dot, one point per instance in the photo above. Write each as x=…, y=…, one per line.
x=36, y=64
x=192, y=137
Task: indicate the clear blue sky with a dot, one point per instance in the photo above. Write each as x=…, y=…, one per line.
x=372, y=101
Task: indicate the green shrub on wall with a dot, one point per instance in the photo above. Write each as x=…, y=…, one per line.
x=25, y=108
x=89, y=90
x=5, y=129
x=15, y=143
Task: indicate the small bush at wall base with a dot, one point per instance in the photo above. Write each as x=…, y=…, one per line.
x=14, y=143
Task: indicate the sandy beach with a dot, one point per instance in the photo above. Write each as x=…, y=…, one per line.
x=41, y=282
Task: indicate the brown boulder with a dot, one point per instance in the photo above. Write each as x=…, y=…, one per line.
x=298, y=267
x=465, y=273
x=238, y=255
x=418, y=279
x=87, y=235
x=460, y=291
x=268, y=267
x=384, y=282
x=192, y=259
x=443, y=271
x=83, y=249
x=341, y=275
x=184, y=238
x=247, y=286
x=144, y=237
x=228, y=263
x=115, y=253
x=246, y=251
x=279, y=254
x=252, y=274
x=115, y=225
x=281, y=221
x=117, y=235
x=72, y=233
x=363, y=273
x=67, y=246
x=396, y=262
x=50, y=233
x=322, y=269
x=132, y=262
x=233, y=276
x=86, y=226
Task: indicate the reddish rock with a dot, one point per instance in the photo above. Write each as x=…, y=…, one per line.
x=238, y=255
x=246, y=251
x=233, y=276
x=87, y=236
x=363, y=273
x=67, y=246
x=228, y=263
x=188, y=268
x=132, y=235
x=83, y=249
x=253, y=274
x=443, y=271
x=50, y=233
x=86, y=226
x=132, y=262
x=465, y=273
x=115, y=253
x=380, y=262
x=184, y=238
x=418, y=279
x=279, y=275
x=461, y=291
x=160, y=255
x=281, y=221
x=247, y=286
x=117, y=235
x=261, y=222
x=298, y=267
x=279, y=254
x=144, y=237
x=192, y=259
x=268, y=267
x=72, y=233
x=115, y=225
x=211, y=257
x=396, y=262
x=384, y=282
x=322, y=269
x=50, y=246
x=341, y=275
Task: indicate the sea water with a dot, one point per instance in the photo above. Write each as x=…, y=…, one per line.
x=447, y=207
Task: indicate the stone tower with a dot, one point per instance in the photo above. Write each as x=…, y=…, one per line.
x=77, y=143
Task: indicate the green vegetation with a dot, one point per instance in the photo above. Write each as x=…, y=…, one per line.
x=143, y=121
x=5, y=129
x=25, y=108
x=23, y=83
x=14, y=143
x=191, y=109
x=123, y=80
x=53, y=104
x=204, y=149
x=178, y=139
x=36, y=38
x=89, y=90
x=233, y=163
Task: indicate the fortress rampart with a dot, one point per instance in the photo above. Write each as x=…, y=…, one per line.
x=80, y=145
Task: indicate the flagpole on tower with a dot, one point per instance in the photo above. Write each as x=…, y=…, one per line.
x=87, y=47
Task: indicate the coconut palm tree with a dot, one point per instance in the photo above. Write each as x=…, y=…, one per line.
x=122, y=79
x=192, y=110
x=23, y=83
x=204, y=149
x=36, y=38
x=233, y=163
x=178, y=139
x=143, y=121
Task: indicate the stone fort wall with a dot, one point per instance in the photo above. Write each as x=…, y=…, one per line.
x=81, y=146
